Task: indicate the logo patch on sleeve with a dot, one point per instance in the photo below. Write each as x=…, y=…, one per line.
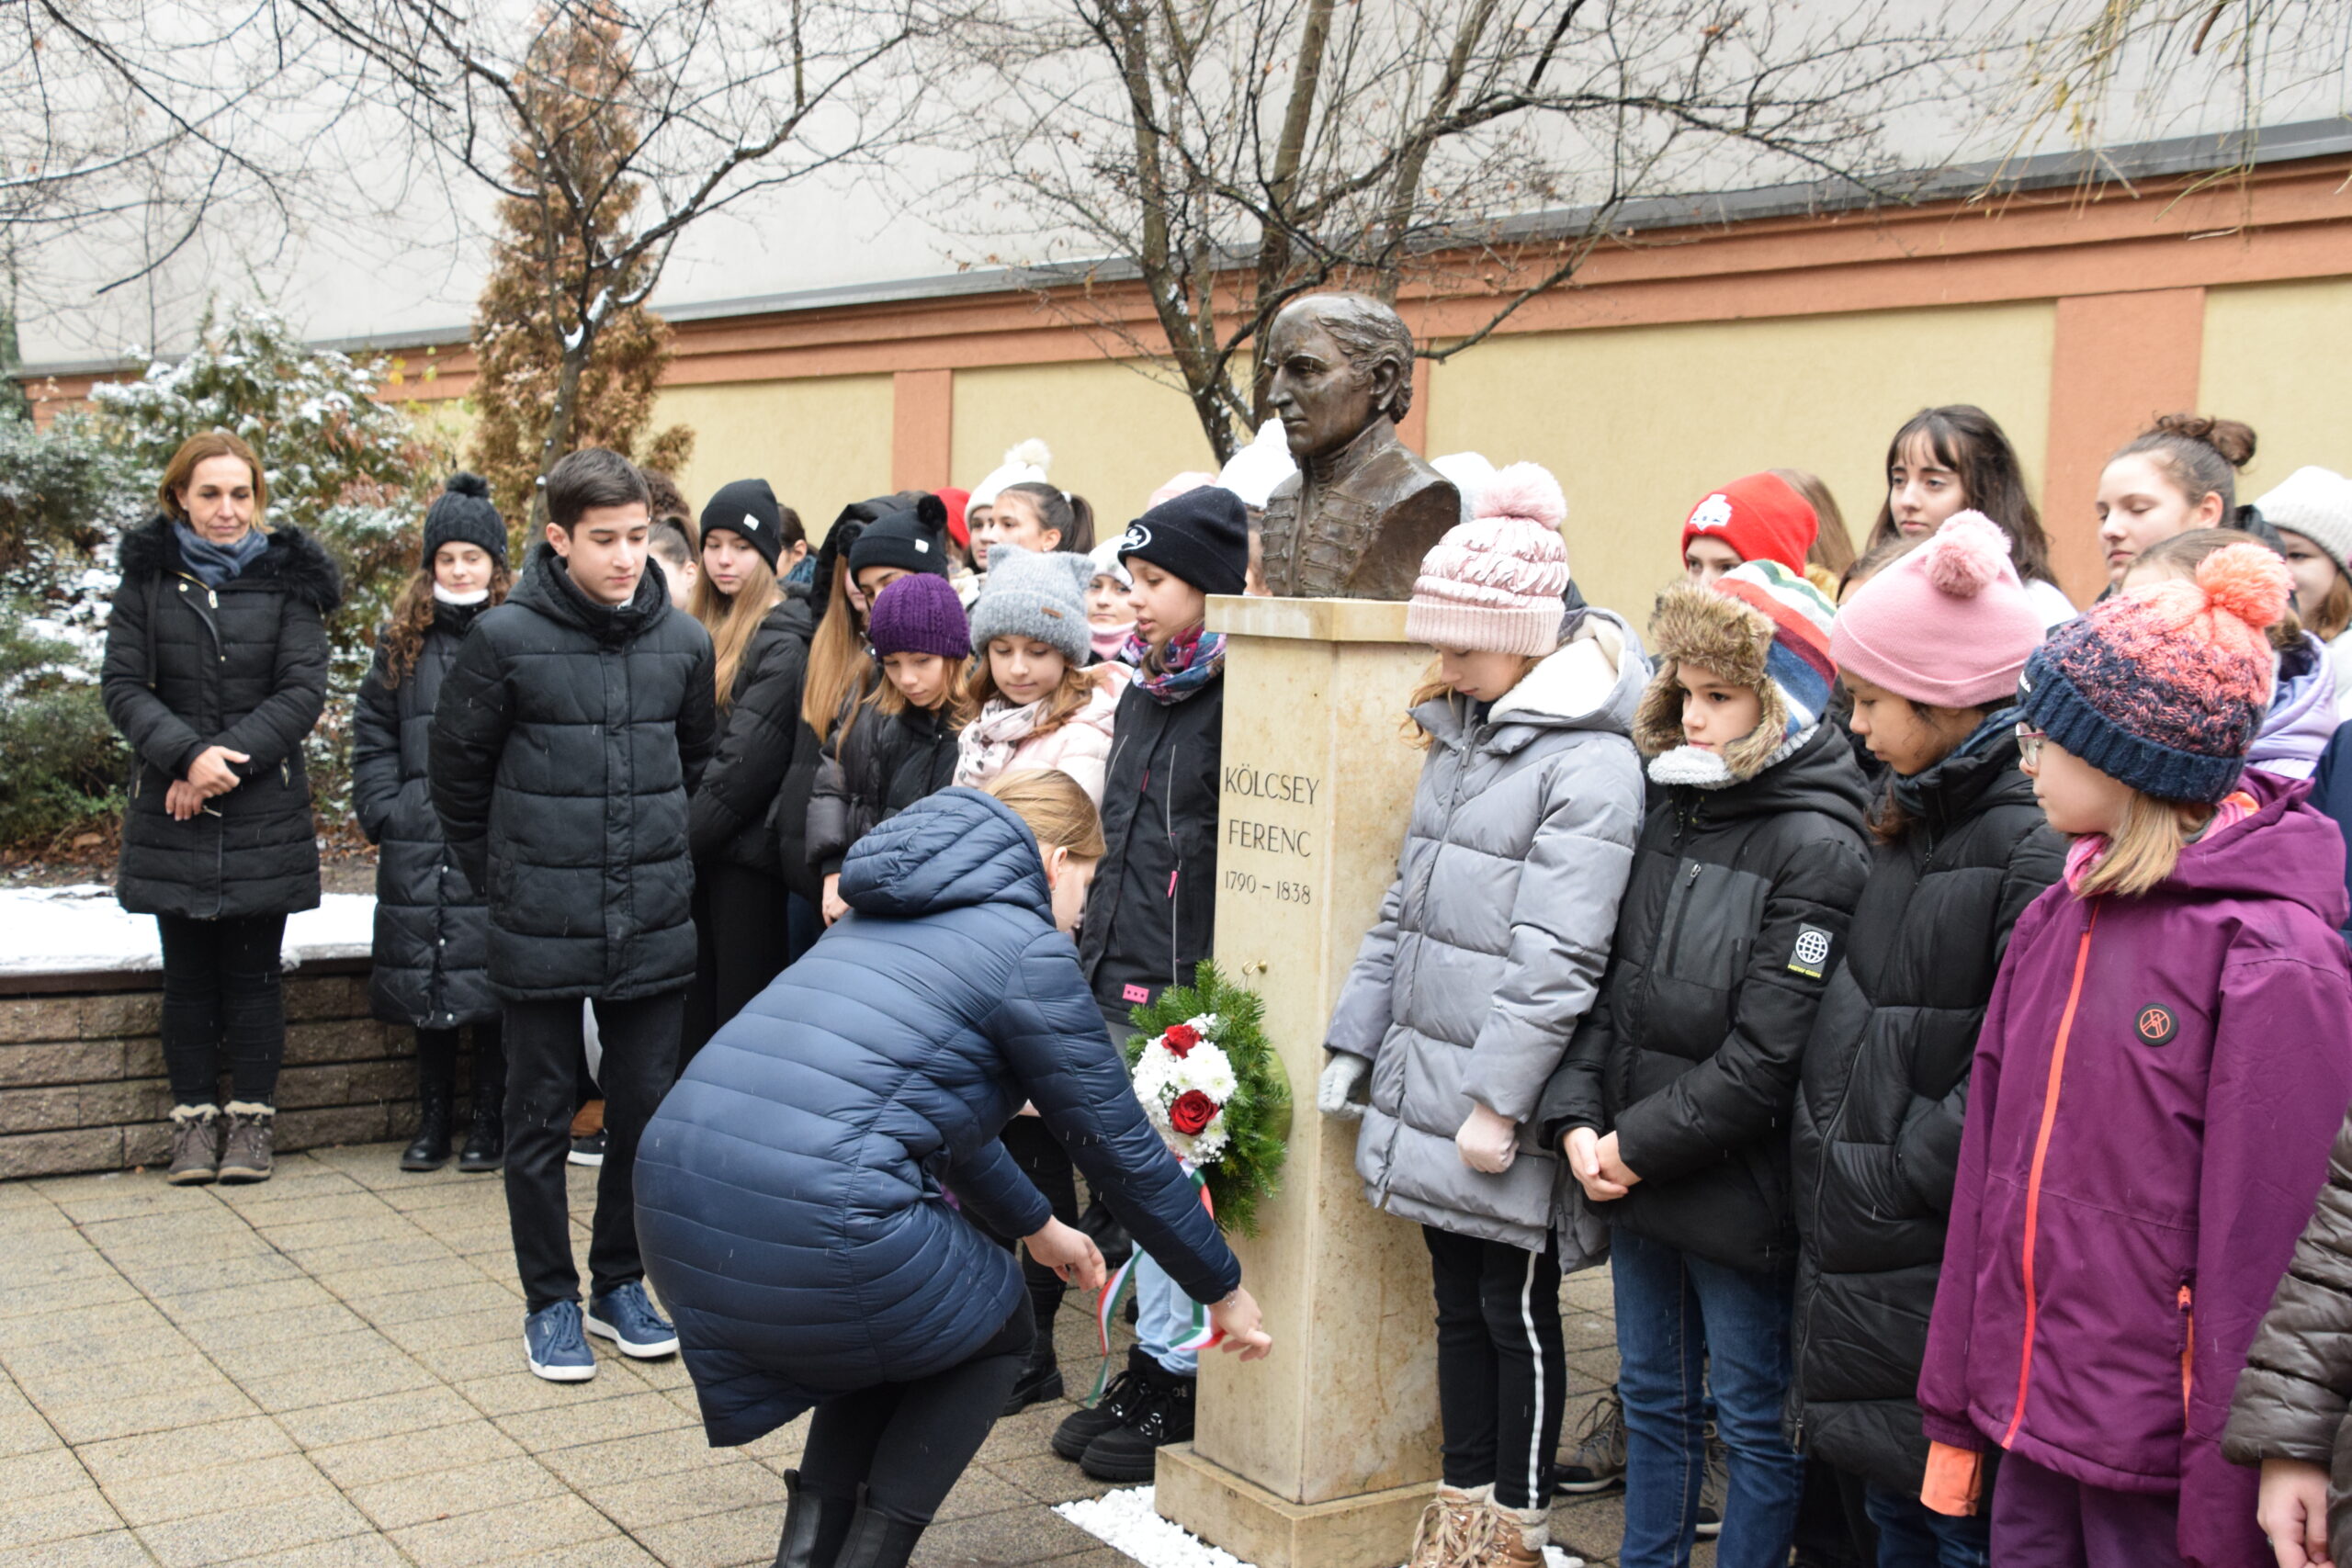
x=2155, y=1024
x=1811, y=956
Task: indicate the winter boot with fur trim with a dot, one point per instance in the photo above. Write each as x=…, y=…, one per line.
x=196, y=1144
x=1519, y=1535
x=1458, y=1530
x=246, y=1151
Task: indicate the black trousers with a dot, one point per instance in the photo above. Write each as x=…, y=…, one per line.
x=1041, y=1157
x=1501, y=1369
x=223, y=1001
x=543, y=1046
x=742, y=936
x=907, y=1442
x=437, y=1062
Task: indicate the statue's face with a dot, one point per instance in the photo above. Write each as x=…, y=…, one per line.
x=1323, y=401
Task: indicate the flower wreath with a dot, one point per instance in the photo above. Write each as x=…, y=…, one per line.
x=1214, y=1091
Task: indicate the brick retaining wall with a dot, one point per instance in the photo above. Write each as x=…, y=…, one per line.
x=82, y=1083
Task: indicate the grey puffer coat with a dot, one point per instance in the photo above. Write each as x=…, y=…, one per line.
x=1491, y=943
x=2294, y=1399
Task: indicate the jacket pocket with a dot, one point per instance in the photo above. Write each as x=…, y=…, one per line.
x=1711, y=917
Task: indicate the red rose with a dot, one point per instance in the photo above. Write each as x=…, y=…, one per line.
x=1192, y=1112
x=1180, y=1040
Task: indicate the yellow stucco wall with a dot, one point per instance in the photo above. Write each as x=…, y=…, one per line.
x=822, y=443
x=1116, y=435
x=1639, y=422
x=2275, y=357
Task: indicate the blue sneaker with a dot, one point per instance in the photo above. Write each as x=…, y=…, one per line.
x=627, y=1318
x=553, y=1344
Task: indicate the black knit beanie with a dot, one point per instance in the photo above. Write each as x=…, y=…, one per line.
x=912, y=541
x=748, y=507
x=1202, y=536
x=462, y=515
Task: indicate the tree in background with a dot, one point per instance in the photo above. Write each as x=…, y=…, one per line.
x=574, y=86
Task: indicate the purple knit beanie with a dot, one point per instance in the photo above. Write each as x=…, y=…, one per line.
x=919, y=614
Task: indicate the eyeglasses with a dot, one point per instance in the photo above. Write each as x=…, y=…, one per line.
x=2029, y=742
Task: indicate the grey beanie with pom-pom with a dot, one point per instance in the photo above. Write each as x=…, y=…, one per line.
x=462, y=515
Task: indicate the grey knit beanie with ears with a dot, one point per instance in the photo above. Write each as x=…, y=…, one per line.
x=1031, y=595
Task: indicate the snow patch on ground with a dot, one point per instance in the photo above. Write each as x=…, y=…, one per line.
x=1128, y=1522
x=61, y=931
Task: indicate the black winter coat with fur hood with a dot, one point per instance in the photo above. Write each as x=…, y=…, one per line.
x=243, y=666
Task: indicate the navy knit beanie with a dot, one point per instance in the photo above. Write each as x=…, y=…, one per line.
x=1202, y=536
x=912, y=541
x=462, y=515
x=919, y=615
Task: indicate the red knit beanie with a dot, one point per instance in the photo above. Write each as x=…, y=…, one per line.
x=1760, y=517
x=957, y=529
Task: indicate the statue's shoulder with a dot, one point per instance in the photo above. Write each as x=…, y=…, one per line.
x=1396, y=474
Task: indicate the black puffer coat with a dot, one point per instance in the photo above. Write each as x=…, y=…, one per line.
x=757, y=740
x=243, y=666
x=564, y=744
x=1735, y=915
x=432, y=932
x=884, y=763
x=1153, y=912
x=1884, y=1086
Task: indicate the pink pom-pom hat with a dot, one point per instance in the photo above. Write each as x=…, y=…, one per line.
x=1494, y=584
x=1948, y=626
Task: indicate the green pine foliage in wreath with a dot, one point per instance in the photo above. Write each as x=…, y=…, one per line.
x=1256, y=1118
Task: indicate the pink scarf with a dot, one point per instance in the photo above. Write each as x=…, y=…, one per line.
x=2091, y=848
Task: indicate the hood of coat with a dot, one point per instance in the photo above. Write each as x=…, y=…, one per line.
x=293, y=560
x=2285, y=850
x=546, y=587
x=948, y=850
x=792, y=616
x=2303, y=714
x=1819, y=775
x=1593, y=680
x=1971, y=779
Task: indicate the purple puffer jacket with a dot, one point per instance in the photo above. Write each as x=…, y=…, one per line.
x=2154, y=1092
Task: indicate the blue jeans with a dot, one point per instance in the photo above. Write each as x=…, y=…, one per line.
x=1684, y=1324
x=1163, y=1317
x=1912, y=1535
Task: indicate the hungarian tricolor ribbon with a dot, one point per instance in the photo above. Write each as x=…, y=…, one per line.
x=1203, y=1335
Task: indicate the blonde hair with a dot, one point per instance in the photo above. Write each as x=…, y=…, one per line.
x=886, y=698
x=1433, y=686
x=841, y=670
x=731, y=620
x=1056, y=809
x=180, y=472
x=2144, y=850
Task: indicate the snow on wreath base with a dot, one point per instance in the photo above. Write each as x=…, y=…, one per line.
x=1127, y=1522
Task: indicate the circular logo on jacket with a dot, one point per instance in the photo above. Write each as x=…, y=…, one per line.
x=1812, y=947
x=2156, y=1025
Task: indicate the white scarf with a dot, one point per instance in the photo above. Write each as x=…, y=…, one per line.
x=445, y=597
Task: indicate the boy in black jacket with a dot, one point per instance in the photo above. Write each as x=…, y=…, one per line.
x=576, y=719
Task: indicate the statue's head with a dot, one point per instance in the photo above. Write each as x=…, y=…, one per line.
x=1336, y=363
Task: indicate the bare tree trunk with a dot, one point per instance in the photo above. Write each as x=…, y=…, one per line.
x=556, y=443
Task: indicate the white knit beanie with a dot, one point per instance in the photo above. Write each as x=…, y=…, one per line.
x=1493, y=585
x=2317, y=503
x=1257, y=468
x=1024, y=464
x=1471, y=474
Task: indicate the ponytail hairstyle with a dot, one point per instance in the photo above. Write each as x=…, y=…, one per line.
x=732, y=621
x=1971, y=444
x=2199, y=454
x=1070, y=514
x=1057, y=810
x=413, y=615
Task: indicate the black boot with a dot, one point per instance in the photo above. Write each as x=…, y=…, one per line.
x=876, y=1541
x=486, y=1145
x=815, y=1525
x=1081, y=1427
x=1160, y=1415
x=1041, y=1378
x=430, y=1149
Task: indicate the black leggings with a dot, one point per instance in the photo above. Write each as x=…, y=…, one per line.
x=1501, y=1365
x=437, y=1063
x=741, y=941
x=909, y=1442
x=221, y=999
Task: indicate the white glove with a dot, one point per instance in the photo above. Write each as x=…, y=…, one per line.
x=1335, y=1091
x=1488, y=1141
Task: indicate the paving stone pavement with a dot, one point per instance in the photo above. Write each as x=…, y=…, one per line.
x=325, y=1369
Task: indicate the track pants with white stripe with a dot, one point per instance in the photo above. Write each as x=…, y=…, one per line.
x=1501, y=1371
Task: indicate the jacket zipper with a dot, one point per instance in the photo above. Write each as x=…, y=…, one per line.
x=2041, y=1155
x=2188, y=1303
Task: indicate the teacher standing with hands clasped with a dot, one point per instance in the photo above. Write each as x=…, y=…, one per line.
x=215, y=671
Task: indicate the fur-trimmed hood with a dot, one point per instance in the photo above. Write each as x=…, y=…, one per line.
x=293, y=561
x=1718, y=633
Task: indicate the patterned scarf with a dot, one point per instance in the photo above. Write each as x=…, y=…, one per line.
x=989, y=742
x=1194, y=659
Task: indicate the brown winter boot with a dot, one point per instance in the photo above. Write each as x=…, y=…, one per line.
x=1519, y=1535
x=196, y=1144
x=245, y=1152
x=1456, y=1532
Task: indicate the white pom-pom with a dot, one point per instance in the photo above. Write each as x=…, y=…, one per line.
x=1966, y=555
x=1525, y=491
x=1032, y=453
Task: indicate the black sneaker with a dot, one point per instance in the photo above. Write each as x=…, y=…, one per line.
x=588, y=1151
x=1162, y=1415
x=1711, y=1486
x=1081, y=1426
x=1596, y=1461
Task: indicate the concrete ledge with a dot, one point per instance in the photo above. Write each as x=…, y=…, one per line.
x=1308, y=620
x=1372, y=1530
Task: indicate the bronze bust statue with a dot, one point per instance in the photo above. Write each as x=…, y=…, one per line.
x=1362, y=510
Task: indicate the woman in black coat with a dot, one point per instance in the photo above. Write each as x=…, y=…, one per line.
x=432, y=930
x=215, y=671
x=791, y=1191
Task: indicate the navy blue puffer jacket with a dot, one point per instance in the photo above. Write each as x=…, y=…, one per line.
x=789, y=1191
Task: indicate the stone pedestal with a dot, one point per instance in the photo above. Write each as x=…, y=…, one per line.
x=1322, y=1455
